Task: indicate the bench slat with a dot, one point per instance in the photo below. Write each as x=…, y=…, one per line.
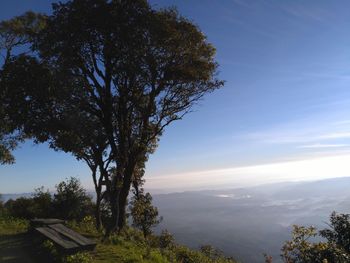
x=46, y=221
x=57, y=238
x=69, y=233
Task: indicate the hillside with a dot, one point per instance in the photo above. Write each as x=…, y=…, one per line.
x=17, y=245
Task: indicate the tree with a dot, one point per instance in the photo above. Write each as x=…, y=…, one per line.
x=144, y=214
x=124, y=68
x=71, y=200
x=301, y=249
x=339, y=232
x=42, y=203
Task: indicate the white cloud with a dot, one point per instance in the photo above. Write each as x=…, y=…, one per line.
x=299, y=170
x=320, y=146
x=319, y=129
x=336, y=135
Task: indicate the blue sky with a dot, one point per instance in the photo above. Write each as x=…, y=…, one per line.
x=285, y=103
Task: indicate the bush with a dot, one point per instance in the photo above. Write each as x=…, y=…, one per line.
x=42, y=202
x=71, y=200
x=166, y=239
x=27, y=208
x=10, y=225
x=211, y=252
x=49, y=253
x=87, y=226
x=336, y=249
x=21, y=208
x=144, y=214
x=81, y=257
x=186, y=255
x=2, y=208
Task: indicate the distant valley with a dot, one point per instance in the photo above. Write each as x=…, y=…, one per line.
x=247, y=222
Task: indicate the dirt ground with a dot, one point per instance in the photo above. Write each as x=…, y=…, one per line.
x=15, y=249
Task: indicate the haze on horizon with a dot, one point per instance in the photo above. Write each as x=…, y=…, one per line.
x=283, y=114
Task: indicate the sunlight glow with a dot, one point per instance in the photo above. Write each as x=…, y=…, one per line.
x=300, y=170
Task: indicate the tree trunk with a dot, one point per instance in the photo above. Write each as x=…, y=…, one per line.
x=112, y=224
x=123, y=197
x=98, y=211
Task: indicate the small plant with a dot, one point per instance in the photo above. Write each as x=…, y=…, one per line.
x=11, y=225
x=144, y=214
x=166, y=239
x=211, y=252
x=81, y=257
x=87, y=226
x=49, y=251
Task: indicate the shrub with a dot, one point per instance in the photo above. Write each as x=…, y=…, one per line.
x=2, y=208
x=10, y=225
x=334, y=249
x=144, y=214
x=166, y=239
x=211, y=252
x=71, y=200
x=42, y=202
x=38, y=206
x=21, y=208
x=81, y=257
x=49, y=253
x=186, y=255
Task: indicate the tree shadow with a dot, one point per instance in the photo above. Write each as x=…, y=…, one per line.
x=19, y=248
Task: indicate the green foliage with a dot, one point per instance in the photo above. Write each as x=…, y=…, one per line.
x=2, y=209
x=186, y=255
x=87, y=226
x=19, y=31
x=128, y=246
x=7, y=144
x=144, y=214
x=10, y=225
x=49, y=252
x=14, y=33
x=166, y=240
x=21, y=208
x=111, y=76
x=303, y=249
x=339, y=232
x=211, y=252
x=71, y=200
x=78, y=258
x=42, y=203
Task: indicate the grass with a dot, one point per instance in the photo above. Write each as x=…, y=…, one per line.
x=127, y=252
x=15, y=243
x=12, y=226
x=17, y=246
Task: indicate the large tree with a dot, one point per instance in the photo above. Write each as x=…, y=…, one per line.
x=24, y=111
x=121, y=70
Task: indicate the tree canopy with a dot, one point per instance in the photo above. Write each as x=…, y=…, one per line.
x=15, y=35
x=334, y=246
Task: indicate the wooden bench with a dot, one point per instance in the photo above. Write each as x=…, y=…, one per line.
x=65, y=238
x=74, y=236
